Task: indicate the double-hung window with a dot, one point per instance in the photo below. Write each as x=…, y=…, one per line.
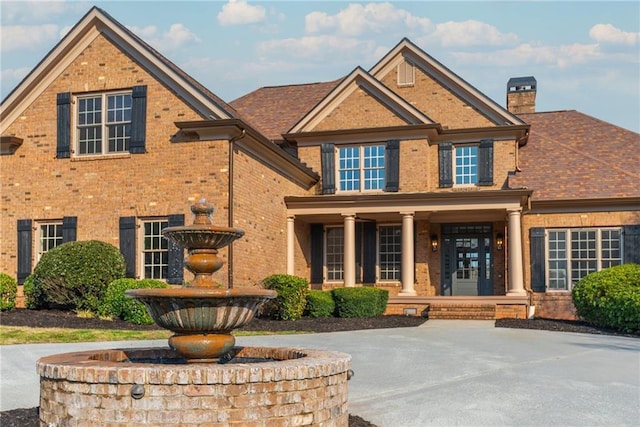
x=103, y=123
x=361, y=168
x=466, y=165
x=49, y=236
x=574, y=253
x=155, y=250
x=335, y=254
x=389, y=252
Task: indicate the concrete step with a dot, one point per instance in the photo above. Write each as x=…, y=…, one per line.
x=462, y=311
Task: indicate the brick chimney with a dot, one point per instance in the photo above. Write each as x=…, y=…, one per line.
x=521, y=95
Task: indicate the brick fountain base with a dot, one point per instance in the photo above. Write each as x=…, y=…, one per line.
x=253, y=386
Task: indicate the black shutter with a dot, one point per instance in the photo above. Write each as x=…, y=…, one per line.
x=317, y=253
x=138, y=120
x=128, y=244
x=328, y=169
x=64, y=125
x=25, y=245
x=69, y=227
x=392, y=165
x=485, y=162
x=445, y=164
x=175, y=268
x=631, y=236
x=369, y=252
x=359, y=228
x=536, y=239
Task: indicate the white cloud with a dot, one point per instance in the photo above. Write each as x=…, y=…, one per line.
x=471, y=33
x=31, y=12
x=176, y=37
x=559, y=56
x=11, y=76
x=19, y=37
x=357, y=19
x=239, y=12
x=316, y=48
x=607, y=33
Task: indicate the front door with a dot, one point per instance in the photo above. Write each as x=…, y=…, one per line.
x=467, y=262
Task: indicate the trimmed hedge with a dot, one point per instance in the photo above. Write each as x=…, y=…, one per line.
x=8, y=292
x=75, y=275
x=360, y=302
x=291, y=300
x=610, y=298
x=31, y=296
x=116, y=303
x=320, y=304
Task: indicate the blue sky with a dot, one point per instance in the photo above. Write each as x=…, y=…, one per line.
x=584, y=55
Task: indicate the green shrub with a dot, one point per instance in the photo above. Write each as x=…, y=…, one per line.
x=8, y=292
x=116, y=303
x=610, y=298
x=291, y=299
x=320, y=304
x=31, y=296
x=360, y=302
x=75, y=275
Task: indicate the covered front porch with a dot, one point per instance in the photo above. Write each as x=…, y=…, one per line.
x=428, y=249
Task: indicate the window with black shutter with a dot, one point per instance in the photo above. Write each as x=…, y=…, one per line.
x=317, y=253
x=392, y=165
x=445, y=166
x=328, y=168
x=63, y=149
x=485, y=162
x=25, y=245
x=128, y=244
x=175, y=269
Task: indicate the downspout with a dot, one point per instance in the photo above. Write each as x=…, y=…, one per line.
x=230, y=205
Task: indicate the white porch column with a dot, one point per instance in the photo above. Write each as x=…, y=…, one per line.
x=349, y=250
x=514, y=246
x=291, y=238
x=407, y=254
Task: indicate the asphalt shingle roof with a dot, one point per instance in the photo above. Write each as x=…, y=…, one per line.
x=572, y=156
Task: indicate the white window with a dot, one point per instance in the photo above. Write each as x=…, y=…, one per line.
x=406, y=74
x=361, y=168
x=389, y=252
x=574, y=253
x=49, y=236
x=103, y=123
x=466, y=165
x=155, y=250
x=335, y=254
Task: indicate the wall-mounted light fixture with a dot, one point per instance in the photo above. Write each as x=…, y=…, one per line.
x=499, y=241
x=434, y=242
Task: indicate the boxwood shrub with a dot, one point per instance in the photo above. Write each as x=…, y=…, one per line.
x=115, y=303
x=75, y=275
x=8, y=292
x=320, y=304
x=360, y=302
x=610, y=298
x=291, y=300
x=31, y=295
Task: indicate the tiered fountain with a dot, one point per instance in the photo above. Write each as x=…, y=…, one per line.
x=203, y=377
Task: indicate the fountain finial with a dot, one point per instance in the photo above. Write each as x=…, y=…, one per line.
x=203, y=212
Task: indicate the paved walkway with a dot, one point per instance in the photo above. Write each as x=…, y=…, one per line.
x=444, y=373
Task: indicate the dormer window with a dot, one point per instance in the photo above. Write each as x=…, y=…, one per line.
x=406, y=73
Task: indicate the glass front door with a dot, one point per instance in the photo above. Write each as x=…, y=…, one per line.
x=467, y=262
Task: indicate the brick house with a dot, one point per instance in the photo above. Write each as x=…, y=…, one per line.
x=403, y=177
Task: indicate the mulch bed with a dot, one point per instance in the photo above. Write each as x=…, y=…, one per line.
x=28, y=417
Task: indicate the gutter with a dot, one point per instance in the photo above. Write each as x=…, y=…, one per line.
x=230, y=204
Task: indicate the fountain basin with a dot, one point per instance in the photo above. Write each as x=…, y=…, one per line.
x=202, y=236
x=202, y=318
x=153, y=386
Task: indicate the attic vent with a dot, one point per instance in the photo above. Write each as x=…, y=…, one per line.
x=406, y=74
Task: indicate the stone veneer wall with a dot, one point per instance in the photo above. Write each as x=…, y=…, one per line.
x=96, y=388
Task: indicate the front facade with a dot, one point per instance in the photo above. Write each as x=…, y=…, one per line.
x=403, y=177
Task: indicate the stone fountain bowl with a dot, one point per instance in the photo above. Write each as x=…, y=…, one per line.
x=202, y=318
x=198, y=236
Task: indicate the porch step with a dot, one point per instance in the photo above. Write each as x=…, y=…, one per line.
x=462, y=311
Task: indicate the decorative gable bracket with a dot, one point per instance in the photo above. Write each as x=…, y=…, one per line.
x=9, y=144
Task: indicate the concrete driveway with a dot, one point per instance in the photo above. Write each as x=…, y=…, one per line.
x=444, y=373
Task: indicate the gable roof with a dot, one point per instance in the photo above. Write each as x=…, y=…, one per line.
x=359, y=78
x=573, y=156
x=406, y=49
x=273, y=110
x=97, y=22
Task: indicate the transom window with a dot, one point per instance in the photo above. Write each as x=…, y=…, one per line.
x=390, y=252
x=50, y=236
x=155, y=250
x=574, y=253
x=103, y=123
x=361, y=168
x=466, y=164
x=335, y=254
